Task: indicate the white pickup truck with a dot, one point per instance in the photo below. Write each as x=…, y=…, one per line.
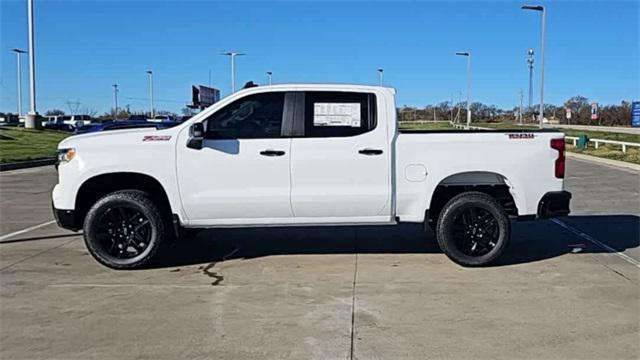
x=305, y=155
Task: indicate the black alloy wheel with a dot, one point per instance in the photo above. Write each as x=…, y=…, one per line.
x=473, y=229
x=125, y=229
x=123, y=232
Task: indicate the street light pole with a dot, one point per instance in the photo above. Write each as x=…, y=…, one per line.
x=380, y=75
x=542, y=30
x=232, y=56
x=520, y=113
x=31, y=120
x=151, y=93
x=269, y=76
x=468, y=55
x=115, y=98
x=19, y=77
x=451, y=108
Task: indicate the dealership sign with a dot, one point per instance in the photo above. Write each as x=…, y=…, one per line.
x=204, y=96
x=635, y=114
x=594, y=111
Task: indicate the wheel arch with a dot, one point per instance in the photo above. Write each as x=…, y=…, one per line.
x=97, y=186
x=488, y=182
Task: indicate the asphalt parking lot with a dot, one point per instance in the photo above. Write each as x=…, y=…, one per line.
x=566, y=289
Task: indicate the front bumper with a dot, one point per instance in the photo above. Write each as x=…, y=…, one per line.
x=554, y=204
x=65, y=218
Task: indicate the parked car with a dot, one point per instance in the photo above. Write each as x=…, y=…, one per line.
x=59, y=127
x=51, y=119
x=119, y=125
x=305, y=155
x=135, y=117
x=163, y=118
x=75, y=120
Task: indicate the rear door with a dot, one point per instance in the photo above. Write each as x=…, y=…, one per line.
x=340, y=159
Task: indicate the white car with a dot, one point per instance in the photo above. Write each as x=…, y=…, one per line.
x=75, y=120
x=162, y=118
x=305, y=155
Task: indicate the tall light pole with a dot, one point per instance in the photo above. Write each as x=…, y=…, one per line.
x=380, y=75
x=269, y=77
x=520, y=112
x=530, y=65
x=468, y=55
x=31, y=121
x=19, y=71
x=451, y=108
x=232, y=56
x=115, y=99
x=542, y=26
x=151, y=93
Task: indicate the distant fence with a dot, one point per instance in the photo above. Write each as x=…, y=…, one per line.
x=624, y=144
x=422, y=121
x=464, y=126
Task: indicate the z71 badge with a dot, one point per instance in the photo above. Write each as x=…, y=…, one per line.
x=521, y=136
x=156, y=138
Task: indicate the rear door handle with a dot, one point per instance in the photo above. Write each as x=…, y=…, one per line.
x=370, y=151
x=271, y=152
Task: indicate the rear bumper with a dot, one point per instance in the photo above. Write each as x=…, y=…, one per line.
x=554, y=204
x=65, y=218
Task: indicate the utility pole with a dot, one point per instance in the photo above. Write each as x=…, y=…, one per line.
x=232, y=56
x=380, y=75
x=73, y=106
x=115, y=98
x=31, y=121
x=269, y=77
x=151, y=93
x=541, y=9
x=19, y=77
x=468, y=55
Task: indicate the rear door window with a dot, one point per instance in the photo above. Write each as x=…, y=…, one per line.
x=338, y=114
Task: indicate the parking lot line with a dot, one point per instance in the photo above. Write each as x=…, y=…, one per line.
x=3, y=237
x=604, y=246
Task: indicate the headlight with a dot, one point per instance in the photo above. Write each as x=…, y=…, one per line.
x=66, y=155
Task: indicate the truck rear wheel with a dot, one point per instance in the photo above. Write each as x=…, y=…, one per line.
x=473, y=229
x=124, y=230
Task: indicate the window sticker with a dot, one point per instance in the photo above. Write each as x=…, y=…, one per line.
x=336, y=114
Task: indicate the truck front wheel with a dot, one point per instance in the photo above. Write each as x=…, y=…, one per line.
x=124, y=230
x=473, y=229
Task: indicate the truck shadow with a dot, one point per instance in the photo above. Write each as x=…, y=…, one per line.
x=531, y=241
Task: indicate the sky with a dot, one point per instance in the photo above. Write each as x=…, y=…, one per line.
x=83, y=47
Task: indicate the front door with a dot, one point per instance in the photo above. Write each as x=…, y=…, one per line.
x=241, y=175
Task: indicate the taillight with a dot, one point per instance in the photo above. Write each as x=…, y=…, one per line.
x=558, y=144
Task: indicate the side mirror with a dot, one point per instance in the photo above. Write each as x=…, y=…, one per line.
x=196, y=135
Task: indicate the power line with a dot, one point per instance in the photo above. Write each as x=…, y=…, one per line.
x=160, y=100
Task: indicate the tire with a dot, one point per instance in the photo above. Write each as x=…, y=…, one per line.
x=467, y=227
x=125, y=230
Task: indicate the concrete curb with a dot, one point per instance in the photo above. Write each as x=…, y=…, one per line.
x=27, y=164
x=616, y=163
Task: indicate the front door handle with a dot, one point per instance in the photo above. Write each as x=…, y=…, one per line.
x=271, y=152
x=370, y=151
